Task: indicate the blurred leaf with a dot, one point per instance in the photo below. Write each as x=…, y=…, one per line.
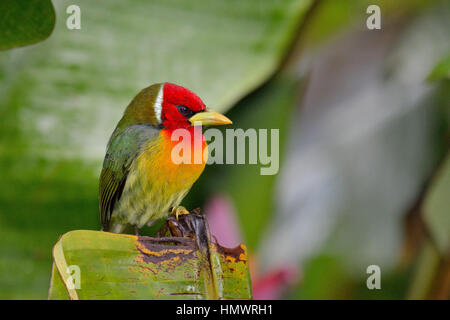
x=75, y=86
x=425, y=272
x=24, y=22
x=441, y=71
x=324, y=277
x=360, y=151
x=437, y=208
x=332, y=16
x=119, y=266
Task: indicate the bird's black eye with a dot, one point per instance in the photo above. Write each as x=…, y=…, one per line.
x=185, y=111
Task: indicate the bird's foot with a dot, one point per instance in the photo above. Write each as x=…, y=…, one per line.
x=179, y=210
x=136, y=230
x=186, y=225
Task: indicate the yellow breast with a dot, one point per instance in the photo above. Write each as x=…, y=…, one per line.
x=156, y=182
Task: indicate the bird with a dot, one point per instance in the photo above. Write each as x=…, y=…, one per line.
x=140, y=182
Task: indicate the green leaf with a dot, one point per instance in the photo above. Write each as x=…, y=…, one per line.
x=24, y=22
x=427, y=266
x=437, y=208
x=120, y=266
x=441, y=71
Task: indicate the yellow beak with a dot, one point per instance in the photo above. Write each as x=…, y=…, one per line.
x=208, y=118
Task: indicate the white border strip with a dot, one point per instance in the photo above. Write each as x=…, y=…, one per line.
x=158, y=104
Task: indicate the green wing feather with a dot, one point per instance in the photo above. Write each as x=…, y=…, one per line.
x=123, y=148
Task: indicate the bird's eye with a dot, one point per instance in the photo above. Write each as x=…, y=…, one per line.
x=185, y=111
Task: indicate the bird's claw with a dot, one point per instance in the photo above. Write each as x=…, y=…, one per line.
x=179, y=210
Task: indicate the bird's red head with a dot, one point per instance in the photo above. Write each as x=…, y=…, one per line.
x=170, y=107
x=178, y=106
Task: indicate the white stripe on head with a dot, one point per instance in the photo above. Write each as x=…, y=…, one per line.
x=158, y=104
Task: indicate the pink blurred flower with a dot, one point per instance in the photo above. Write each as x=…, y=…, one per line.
x=273, y=285
x=223, y=225
x=222, y=221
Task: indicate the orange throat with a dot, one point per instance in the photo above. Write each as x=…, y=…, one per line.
x=186, y=146
x=174, y=164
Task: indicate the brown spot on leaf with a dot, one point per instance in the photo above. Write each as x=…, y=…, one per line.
x=236, y=254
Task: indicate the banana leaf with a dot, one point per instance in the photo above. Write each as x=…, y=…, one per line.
x=121, y=266
x=436, y=209
x=441, y=71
